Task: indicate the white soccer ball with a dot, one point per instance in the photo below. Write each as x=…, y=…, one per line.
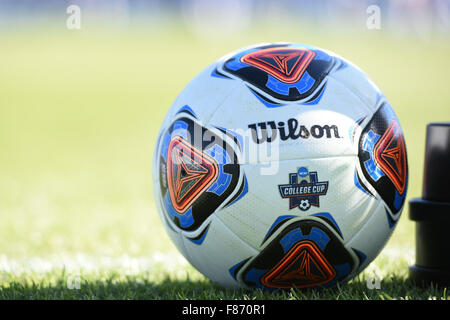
x=278, y=166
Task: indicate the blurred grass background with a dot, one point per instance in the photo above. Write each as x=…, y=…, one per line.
x=79, y=115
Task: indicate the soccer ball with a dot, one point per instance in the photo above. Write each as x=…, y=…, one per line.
x=278, y=166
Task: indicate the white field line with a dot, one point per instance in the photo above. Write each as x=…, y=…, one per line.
x=82, y=263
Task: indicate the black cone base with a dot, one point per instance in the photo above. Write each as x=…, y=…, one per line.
x=432, y=212
x=425, y=276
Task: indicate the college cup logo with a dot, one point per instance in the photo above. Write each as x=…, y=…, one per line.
x=304, y=189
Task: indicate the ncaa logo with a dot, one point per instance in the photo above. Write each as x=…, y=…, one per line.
x=303, y=172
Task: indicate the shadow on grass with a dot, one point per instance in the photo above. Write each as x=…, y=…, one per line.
x=135, y=287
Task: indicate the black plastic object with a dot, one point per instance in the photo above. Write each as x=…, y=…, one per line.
x=432, y=212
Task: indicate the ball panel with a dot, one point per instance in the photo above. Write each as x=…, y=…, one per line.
x=302, y=253
x=250, y=217
x=198, y=171
x=174, y=235
x=328, y=185
x=358, y=83
x=370, y=238
x=203, y=95
x=383, y=158
x=321, y=130
x=217, y=254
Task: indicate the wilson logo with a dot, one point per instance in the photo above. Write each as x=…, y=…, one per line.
x=269, y=131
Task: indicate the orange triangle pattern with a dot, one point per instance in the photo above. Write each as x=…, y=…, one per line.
x=189, y=173
x=390, y=156
x=304, y=265
x=286, y=64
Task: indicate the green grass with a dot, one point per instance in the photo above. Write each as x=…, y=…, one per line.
x=79, y=115
x=145, y=285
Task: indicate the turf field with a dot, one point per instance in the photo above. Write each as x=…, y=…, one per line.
x=79, y=115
